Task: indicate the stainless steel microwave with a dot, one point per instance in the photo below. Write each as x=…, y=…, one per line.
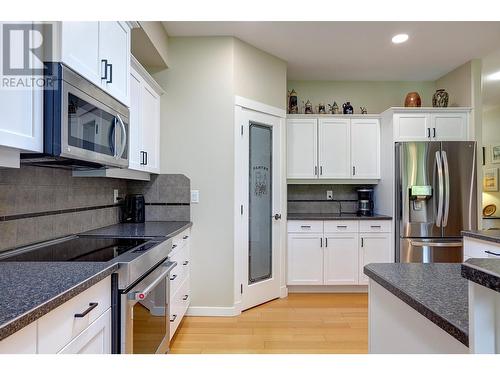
x=84, y=127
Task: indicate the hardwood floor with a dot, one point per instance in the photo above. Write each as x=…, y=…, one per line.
x=300, y=323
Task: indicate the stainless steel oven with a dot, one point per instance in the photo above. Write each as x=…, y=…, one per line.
x=83, y=125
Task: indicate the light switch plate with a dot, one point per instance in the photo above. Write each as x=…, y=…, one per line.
x=115, y=195
x=329, y=195
x=195, y=196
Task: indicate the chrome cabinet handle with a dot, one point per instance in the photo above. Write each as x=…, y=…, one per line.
x=315, y=171
x=92, y=306
x=326, y=241
x=185, y=263
x=321, y=170
x=434, y=132
x=185, y=237
x=305, y=226
x=173, y=277
x=174, y=246
x=353, y=170
x=362, y=242
x=428, y=132
x=186, y=296
x=492, y=253
x=321, y=242
x=172, y=319
x=124, y=141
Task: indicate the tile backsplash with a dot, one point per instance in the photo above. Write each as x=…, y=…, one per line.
x=313, y=199
x=38, y=204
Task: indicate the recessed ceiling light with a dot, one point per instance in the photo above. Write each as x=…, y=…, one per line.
x=400, y=38
x=493, y=76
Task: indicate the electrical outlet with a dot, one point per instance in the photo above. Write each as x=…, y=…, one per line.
x=329, y=195
x=115, y=196
x=195, y=196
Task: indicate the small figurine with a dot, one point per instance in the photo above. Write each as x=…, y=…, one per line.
x=363, y=110
x=348, y=109
x=321, y=109
x=308, y=110
x=334, y=109
x=292, y=102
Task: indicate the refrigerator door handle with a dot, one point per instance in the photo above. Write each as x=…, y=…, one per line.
x=436, y=244
x=446, y=188
x=439, y=216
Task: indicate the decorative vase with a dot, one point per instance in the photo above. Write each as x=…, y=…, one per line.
x=440, y=98
x=347, y=108
x=308, y=110
x=413, y=100
x=292, y=102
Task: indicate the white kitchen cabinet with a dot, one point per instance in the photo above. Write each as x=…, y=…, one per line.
x=21, y=123
x=305, y=259
x=144, y=120
x=373, y=248
x=99, y=51
x=96, y=339
x=334, y=148
x=430, y=124
x=302, y=148
x=341, y=259
x=365, y=148
x=21, y=342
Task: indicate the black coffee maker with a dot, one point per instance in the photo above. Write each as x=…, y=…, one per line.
x=133, y=209
x=365, y=201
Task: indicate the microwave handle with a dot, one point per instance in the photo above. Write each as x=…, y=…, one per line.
x=124, y=139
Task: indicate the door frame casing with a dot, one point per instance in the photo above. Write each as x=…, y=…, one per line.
x=240, y=173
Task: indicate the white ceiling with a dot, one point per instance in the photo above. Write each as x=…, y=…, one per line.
x=359, y=50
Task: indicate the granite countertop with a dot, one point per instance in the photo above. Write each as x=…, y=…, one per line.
x=324, y=216
x=492, y=235
x=437, y=291
x=484, y=271
x=29, y=290
x=149, y=229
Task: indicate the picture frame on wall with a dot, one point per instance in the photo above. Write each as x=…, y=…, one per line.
x=495, y=154
x=490, y=179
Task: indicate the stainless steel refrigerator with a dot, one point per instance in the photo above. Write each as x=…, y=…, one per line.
x=436, y=198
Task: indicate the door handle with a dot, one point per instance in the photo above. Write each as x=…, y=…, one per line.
x=104, y=69
x=186, y=296
x=315, y=171
x=446, y=189
x=353, y=170
x=326, y=241
x=277, y=216
x=433, y=132
x=428, y=132
x=185, y=263
x=321, y=170
x=305, y=226
x=439, y=215
x=492, y=253
x=92, y=306
x=172, y=319
x=436, y=244
x=110, y=80
x=124, y=140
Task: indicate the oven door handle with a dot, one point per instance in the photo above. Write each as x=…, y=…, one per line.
x=139, y=295
x=124, y=139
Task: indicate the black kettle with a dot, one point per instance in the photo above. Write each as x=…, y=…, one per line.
x=134, y=209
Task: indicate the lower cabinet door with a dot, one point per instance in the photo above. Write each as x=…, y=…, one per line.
x=341, y=262
x=373, y=248
x=305, y=259
x=21, y=342
x=96, y=339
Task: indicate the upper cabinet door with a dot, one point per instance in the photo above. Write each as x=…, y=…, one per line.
x=114, y=48
x=21, y=120
x=334, y=148
x=412, y=127
x=365, y=148
x=151, y=129
x=80, y=49
x=449, y=126
x=135, y=126
x=302, y=148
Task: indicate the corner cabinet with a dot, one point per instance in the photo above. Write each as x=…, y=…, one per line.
x=99, y=51
x=430, y=124
x=334, y=252
x=333, y=147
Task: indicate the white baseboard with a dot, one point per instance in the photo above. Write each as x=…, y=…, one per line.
x=327, y=288
x=283, y=292
x=213, y=311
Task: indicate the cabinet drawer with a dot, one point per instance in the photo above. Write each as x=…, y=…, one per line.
x=60, y=326
x=307, y=226
x=179, y=304
x=478, y=249
x=368, y=226
x=180, y=240
x=181, y=271
x=340, y=226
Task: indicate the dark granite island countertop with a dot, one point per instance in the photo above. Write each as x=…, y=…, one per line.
x=437, y=291
x=29, y=290
x=325, y=216
x=483, y=271
x=149, y=229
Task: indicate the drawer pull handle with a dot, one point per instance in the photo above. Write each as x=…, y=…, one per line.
x=185, y=263
x=174, y=246
x=186, y=296
x=92, y=306
x=305, y=226
x=173, y=277
x=185, y=237
x=375, y=226
x=172, y=319
x=492, y=253
x=342, y=226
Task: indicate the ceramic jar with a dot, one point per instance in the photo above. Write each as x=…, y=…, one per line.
x=440, y=98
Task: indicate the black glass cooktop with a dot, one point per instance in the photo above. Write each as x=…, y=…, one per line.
x=81, y=249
